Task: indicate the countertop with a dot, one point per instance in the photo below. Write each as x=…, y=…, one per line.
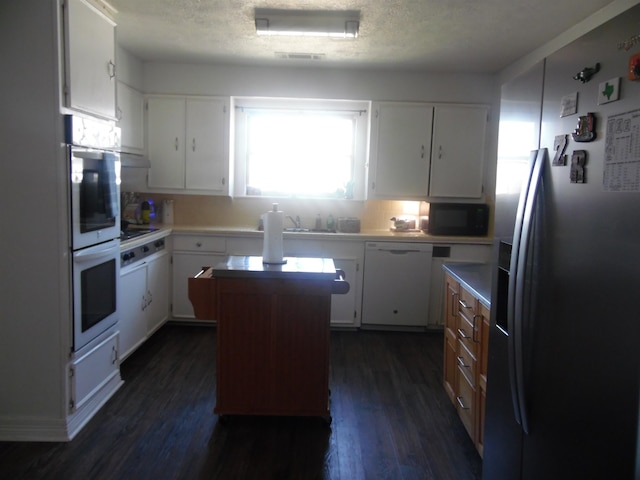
x=475, y=277
x=298, y=268
x=364, y=235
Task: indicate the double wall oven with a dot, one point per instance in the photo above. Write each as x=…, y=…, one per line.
x=94, y=169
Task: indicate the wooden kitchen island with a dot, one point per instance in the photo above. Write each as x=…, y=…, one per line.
x=273, y=333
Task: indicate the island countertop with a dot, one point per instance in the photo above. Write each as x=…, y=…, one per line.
x=476, y=277
x=299, y=268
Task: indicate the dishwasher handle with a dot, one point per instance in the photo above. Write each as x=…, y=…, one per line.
x=399, y=252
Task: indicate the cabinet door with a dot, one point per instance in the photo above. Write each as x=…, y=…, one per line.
x=90, y=60
x=186, y=265
x=205, y=147
x=166, y=141
x=94, y=372
x=344, y=310
x=401, y=151
x=157, y=294
x=457, y=160
x=131, y=118
x=132, y=305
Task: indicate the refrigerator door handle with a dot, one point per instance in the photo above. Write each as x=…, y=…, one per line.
x=511, y=320
x=524, y=246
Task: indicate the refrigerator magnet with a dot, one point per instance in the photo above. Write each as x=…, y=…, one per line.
x=578, y=160
x=586, y=129
x=609, y=91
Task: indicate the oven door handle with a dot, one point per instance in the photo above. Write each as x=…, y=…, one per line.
x=97, y=252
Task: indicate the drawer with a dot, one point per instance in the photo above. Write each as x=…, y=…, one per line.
x=465, y=403
x=467, y=332
x=467, y=303
x=467, y=362
x=200, y=243
x=94, y=370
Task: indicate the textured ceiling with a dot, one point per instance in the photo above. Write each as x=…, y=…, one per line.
x=426, y=35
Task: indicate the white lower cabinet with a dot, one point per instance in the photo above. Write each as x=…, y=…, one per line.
x=191, y=253
x=144, y=301
x=157, y=292
x=346, y=309
x=95, y=373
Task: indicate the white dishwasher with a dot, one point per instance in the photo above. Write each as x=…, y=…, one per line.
x=397, y=277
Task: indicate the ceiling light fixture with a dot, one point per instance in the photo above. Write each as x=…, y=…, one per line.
x=308, y=23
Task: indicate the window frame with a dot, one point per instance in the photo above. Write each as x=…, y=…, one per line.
x=240, y=106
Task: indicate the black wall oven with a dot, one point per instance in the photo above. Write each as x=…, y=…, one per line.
x=94, y=186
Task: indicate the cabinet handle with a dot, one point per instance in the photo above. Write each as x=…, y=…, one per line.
x=422, y=151
x=463, y=304
x=150, y=298
x=111, y=68
x=459, y=400
x=193, y=145
x=114, y=355
x=475, y=328
x=143, y=303
x=439, y=151
x=461, y=362
x=462, y=333
x=176, y=144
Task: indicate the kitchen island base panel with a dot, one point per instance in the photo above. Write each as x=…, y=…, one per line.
x=273, y=347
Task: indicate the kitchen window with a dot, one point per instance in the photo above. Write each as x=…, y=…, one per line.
x=300, y=148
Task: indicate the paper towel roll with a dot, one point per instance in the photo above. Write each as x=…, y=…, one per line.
x=272, y=249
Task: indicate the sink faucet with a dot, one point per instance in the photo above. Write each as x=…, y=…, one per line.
x=296, y=221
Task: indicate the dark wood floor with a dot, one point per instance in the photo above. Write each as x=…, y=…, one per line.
x=391, y=420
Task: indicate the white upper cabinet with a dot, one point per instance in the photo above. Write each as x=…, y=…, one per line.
x=187, y=141
x=400, y=155
x=90, y=70
x=421, y=151
x=131, y=118
x=457, y=160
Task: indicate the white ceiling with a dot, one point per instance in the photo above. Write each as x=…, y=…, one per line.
x=426, y=35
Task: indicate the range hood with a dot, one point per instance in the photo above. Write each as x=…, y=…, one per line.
x=131, y=160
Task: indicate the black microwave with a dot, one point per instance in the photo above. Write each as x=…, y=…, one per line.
x=458, y=219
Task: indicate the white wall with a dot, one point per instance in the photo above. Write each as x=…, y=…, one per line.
x=128, y=68
x=34, y=263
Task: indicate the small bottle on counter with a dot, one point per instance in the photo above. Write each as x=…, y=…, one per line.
x=331, y=225
x=145, y=210
x=318, y=222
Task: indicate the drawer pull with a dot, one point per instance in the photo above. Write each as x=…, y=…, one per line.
x=461, y=403
x=198, y=244
x=475, y=328
x=463, y=304
x=462, y=333
x=461, y=362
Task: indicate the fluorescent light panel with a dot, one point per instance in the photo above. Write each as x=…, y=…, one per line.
x=308, y=23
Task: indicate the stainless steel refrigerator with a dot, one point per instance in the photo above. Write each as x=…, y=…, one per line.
x=563, y=378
